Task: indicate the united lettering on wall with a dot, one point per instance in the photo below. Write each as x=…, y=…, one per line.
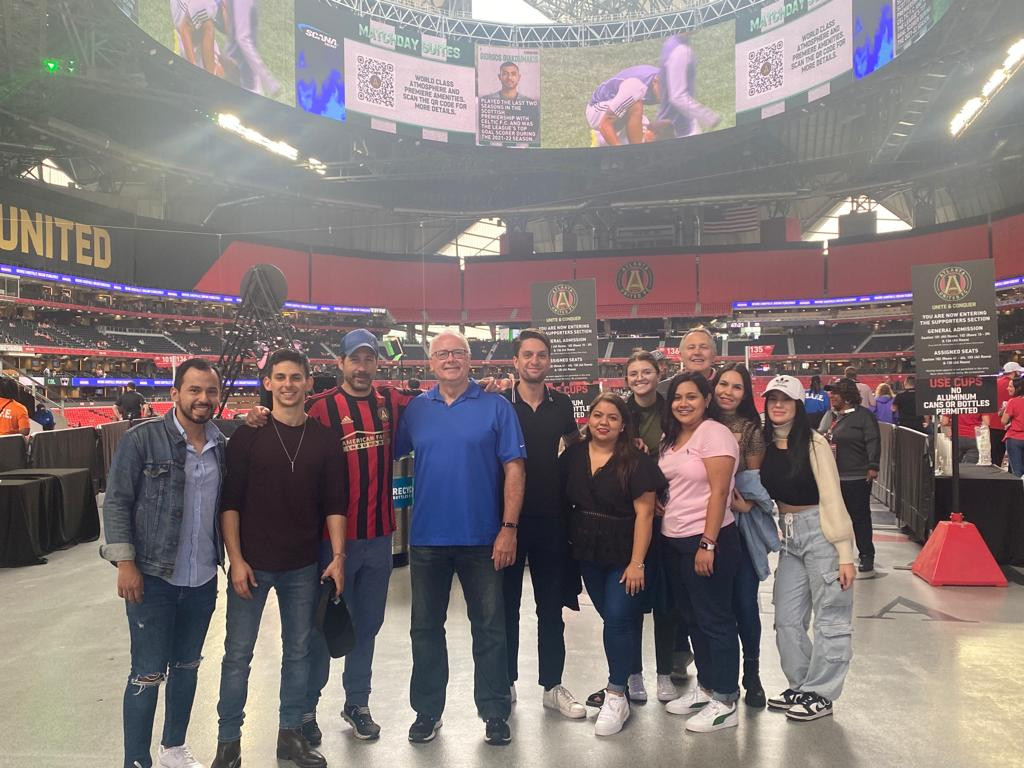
x=46, y=236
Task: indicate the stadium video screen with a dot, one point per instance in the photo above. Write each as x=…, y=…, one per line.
x=331, y=62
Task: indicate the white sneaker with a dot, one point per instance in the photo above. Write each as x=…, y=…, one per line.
x=177, y=757
x=559, y=698
x=714, y=717
x=666, y=688
x=689, y=703
x=612, y=716
x=635, y=686
x=512, y=692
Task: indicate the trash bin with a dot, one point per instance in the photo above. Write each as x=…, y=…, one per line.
x=401, y=492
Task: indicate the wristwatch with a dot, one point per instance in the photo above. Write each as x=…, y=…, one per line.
x=707, y=544
x=510, y=525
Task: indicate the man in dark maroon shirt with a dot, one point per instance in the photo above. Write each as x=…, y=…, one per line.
x=283, y=482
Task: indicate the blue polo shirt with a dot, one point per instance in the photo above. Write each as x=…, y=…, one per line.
x=459, y=477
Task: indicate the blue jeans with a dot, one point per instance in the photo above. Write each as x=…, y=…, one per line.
x=706, y=602
x=619, y=610
x=744, y=605
x=296, y=597
x=168, y=629
x=367, y=573
x=431, y=570
x=1015, y=450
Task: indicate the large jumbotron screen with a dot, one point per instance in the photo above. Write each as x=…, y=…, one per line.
x=329, y=61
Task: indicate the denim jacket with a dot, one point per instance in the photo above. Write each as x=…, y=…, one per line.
x=145, y=498
x=757, y=527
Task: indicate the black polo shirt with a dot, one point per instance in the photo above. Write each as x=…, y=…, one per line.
x=542, y=431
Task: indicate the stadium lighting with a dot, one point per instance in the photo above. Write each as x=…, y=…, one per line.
x=974, y=106
x=234, y=125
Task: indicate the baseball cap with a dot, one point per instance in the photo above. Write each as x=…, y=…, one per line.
x=333, y=620
x=787, y=385
x=360, y=337
x=1012, y=367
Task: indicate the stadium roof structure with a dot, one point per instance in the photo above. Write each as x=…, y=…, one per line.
x=134, y=126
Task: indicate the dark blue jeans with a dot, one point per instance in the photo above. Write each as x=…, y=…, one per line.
x=431, y=571
x=296, y=598
x=744, y=605
x=620, y=611
x=168, y=629
x=367, y=574
x=1015, y=448
x=706, y=602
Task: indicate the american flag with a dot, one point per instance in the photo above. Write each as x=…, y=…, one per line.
x=725, y=220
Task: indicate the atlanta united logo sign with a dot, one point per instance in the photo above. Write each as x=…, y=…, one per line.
x=953, y=284
x=634, y=280
x=563, y=299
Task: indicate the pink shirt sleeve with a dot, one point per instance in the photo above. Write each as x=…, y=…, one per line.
x=716, y=440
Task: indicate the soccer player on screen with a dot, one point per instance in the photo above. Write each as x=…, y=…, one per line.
x=509, y=77
x=254, y=74
x=679, y=106
x=616, y=110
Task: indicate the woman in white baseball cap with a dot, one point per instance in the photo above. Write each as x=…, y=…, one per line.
x=816, y=560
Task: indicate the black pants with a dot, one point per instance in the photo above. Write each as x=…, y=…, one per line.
x=998, y=446
x=706, y=604
x=543, y=541
x=857, y=497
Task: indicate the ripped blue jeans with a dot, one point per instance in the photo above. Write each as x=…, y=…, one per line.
x=168, y=629
x=806, y=586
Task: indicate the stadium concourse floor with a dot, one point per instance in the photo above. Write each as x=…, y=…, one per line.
x=935, y=681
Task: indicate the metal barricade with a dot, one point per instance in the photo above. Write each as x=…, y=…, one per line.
x=884, y=487
x=915, y=482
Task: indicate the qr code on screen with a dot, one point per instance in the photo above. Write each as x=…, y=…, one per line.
x=765, y=68
x=375, y=81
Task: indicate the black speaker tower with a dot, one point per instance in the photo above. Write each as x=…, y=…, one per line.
x=259, y=326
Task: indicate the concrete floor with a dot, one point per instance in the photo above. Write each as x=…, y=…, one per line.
x=934, y=682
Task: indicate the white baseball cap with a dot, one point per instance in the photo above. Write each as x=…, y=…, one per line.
x=1012, y=367
x=787, y=385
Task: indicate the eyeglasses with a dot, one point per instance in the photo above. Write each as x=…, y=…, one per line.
x=444, y=354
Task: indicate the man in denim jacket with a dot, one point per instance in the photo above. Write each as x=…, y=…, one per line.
x=162, y=533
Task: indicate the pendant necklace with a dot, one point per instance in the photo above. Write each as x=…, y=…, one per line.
x=291, y=459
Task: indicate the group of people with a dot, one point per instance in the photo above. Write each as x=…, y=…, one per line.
x=663, y=502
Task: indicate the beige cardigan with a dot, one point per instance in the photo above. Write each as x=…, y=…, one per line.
x=835, y=520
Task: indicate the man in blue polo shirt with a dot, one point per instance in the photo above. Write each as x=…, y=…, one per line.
x=470, y=478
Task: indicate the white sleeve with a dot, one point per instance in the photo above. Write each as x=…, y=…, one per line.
x=679, y=95
x=630, y=92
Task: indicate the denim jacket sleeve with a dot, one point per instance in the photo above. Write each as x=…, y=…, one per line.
x=119, y=501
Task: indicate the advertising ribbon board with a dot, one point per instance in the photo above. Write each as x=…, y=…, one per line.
x=955, y=337
x=566, y=310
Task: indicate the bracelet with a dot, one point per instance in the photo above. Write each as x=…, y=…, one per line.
x=513, y=526
x=708, y=539
x=339, y=554
x=640, y=566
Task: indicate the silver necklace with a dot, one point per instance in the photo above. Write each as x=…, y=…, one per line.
x=291, y=459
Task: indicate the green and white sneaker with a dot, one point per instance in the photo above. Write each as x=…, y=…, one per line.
x=689, y=703
x=714, y=717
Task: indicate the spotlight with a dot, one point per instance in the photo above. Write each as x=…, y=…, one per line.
x=974, y=106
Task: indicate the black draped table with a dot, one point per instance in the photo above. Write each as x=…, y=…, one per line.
x=43, y=510
x=994, y=501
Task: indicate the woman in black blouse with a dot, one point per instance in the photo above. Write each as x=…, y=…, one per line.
x=611, y=488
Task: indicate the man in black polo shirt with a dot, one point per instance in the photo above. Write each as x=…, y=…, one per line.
x=129, y=405
x=905, y=405
x=546, y=418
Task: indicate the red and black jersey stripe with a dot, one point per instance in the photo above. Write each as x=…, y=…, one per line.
x=366, y=427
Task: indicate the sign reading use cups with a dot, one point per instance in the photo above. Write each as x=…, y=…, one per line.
x=956, y=337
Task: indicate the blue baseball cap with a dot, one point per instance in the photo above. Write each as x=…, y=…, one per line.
x=357, y=339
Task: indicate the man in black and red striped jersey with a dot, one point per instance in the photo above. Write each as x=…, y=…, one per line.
x=364, y=418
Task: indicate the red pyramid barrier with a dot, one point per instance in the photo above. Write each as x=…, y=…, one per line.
x=956, y=555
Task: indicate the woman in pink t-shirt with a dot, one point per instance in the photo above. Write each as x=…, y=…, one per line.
x=702, y=548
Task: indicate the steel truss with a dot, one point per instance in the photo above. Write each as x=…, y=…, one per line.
x=619, y=30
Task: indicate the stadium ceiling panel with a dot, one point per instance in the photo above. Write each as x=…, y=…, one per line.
x=590, y=32
x=581, y=10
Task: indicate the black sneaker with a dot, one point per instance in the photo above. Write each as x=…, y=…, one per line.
x=362, y=723
x=312, y=732
x=424, y=729
x=596, y=699
x=497, y=732
x=867, y=565
x=784, y=700
x=811, y=706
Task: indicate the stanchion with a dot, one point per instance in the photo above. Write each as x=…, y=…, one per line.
x=955, y=554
